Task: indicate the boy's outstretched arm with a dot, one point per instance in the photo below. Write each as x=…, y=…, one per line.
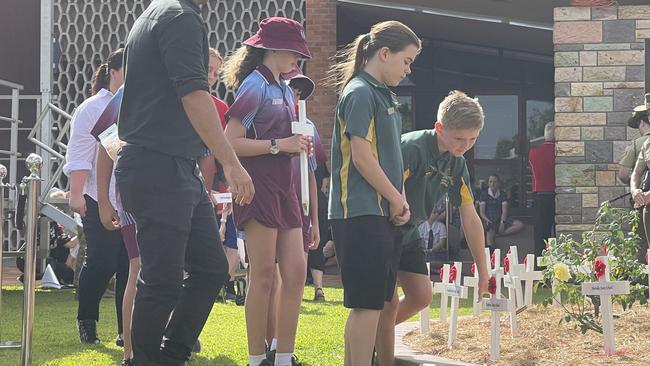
x=473, y=230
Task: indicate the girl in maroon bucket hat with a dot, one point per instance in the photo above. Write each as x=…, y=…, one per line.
x=259, y=129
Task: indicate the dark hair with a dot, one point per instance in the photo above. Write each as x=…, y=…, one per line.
x=240, y=64
x=102, y=77
x=353, y=57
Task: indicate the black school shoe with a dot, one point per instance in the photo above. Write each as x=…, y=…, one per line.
x=270, y=356
x=87, y=331
x=119, y=341
x=127, y=362
x=264, y=363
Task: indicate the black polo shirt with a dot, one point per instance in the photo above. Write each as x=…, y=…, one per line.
x=166, y=57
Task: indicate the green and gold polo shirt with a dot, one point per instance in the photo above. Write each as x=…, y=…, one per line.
x=428, y=176
x=367, y=109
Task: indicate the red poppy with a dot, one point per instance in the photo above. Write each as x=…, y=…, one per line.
x=474, y=265
x=599, y=267
x=492, y=285
x=442, y=272
x=506, y=264
x=604, y=249
x=452, y=273
x=492, y=259
x=525, y=260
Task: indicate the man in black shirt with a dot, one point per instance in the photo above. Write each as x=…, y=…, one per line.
x=166, y=119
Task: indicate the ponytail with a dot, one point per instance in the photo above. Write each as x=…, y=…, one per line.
x=102, y=77
x=350, y=60
x=240, y=64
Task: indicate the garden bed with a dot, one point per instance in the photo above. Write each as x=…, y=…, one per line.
x=541, y=340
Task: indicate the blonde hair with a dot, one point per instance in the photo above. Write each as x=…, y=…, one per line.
x=214, y=53
x=240, y=64
x=459, y=112
x=354, y=56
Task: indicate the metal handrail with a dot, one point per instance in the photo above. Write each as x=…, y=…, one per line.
x=11, y=85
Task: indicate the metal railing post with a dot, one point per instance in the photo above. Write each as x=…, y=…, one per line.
x=34, y=163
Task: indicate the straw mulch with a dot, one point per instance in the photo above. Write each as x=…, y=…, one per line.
x=541, y=340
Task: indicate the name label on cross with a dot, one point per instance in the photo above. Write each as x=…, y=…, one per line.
x=496, y=304
x=606, y=288
x=507, y=281
x=305, y=129
x=222, y=197
x=453, y=290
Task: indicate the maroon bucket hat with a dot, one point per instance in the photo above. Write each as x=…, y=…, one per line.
x=280, y=34
x=296, y=79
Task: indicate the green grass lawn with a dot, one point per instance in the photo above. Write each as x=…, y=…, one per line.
x=319, y=341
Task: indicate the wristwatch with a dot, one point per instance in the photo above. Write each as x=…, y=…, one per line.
x=274, y=147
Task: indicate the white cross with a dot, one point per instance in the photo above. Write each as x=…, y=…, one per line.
x=497, y=263
x=456, y=291
x=441, y=288
x=496, y=304
x=473, y=283
x=303, y=128
x=512, y=279
x=529, y=276
x=605, y=289
x=512, y=282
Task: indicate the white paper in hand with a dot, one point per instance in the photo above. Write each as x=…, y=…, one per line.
x=111, y=141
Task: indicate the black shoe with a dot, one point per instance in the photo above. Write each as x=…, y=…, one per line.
x=263, y=363
x=119, y=341
x=270, y=357
x=294, y=361
x=197, y=347
x=319, y=295
x=127, y=362
x=240, y=300
x=87, y=331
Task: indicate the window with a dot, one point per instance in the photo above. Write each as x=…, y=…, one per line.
x=538, y=114
x=498, y=140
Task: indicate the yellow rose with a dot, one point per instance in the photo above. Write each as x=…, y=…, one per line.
x=561, y=272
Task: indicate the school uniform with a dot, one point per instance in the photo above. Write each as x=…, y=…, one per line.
x=364, y=237
x=266, y=109
x=429, y=176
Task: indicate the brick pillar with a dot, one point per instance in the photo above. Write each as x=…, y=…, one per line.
x=321, y=38
x=599, y=73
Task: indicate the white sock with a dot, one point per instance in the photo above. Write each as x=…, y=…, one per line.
x=274, y=344
x=256, y=360
x=283, y=359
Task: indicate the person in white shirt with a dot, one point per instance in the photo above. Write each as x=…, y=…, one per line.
x=434, y=234
x=105, y=251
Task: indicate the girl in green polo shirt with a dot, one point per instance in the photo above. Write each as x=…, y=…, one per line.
x=366, y=189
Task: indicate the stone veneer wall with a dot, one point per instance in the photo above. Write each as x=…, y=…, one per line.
x=599, y=78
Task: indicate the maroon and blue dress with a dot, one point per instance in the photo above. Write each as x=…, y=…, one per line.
x=266, y=109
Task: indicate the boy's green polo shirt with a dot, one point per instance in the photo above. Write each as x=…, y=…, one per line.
x=429, y=175
x=367, y=109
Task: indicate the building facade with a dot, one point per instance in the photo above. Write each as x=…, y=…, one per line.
x=600, y=68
